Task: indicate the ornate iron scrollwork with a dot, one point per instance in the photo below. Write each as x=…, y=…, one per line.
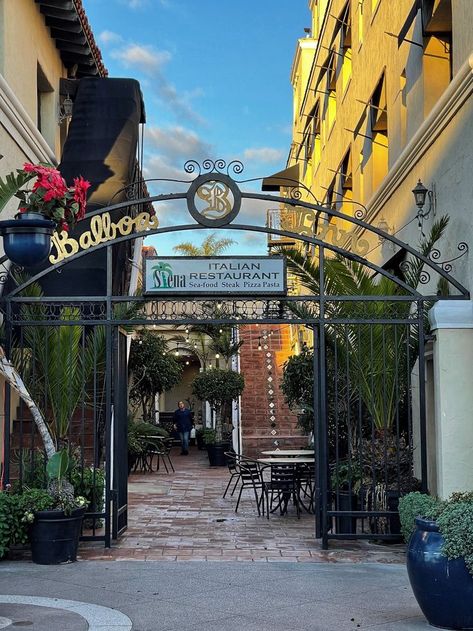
x=446, y=265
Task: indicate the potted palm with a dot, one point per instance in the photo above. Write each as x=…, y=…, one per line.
x=49, y=205
x=440, y=556
x=219, y=388
x=56, y=516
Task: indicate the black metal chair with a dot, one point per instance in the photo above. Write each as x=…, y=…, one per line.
x=282, y=486
x=251, y=478
x=305, y=484
x=232, y=459
x=162, y=450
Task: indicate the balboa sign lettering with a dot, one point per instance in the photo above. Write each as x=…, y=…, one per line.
x=218, y=275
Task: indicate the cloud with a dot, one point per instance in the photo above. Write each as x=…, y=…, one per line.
x=151, y=62
x=177, y=143
x=109, y=37
x=263, y=154
x=146, y=58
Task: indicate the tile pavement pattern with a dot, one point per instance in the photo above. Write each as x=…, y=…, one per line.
x=183, y=517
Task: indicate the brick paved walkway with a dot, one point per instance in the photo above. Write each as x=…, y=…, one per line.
x=182, y=517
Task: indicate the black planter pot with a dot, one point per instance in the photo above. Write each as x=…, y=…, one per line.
x=216, y=454
x=346, y=501
x=55, y=536
x=132, y=458
x=442, y=587
x=27, y=240
x=200, y=441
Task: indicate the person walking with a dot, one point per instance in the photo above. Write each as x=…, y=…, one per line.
x=183, y=424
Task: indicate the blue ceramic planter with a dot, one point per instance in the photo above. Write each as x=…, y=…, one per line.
x=443, y=588
x=27, y=240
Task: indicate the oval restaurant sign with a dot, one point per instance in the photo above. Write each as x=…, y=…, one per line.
x=215, y=275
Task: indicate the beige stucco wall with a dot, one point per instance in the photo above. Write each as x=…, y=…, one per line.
x=26, y=42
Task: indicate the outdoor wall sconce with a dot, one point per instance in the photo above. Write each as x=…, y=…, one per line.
x=384, y=227
x=65, y=110
x=421, y=194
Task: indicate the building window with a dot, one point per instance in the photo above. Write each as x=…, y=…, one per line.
x=346, y=48
x=45, y=107
x=378, y=111
x=346, y=181
x=437, y=57
x=331, y=104
x=313, y=135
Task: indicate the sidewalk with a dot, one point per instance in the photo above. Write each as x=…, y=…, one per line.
x=228, y=596
x=163, y=574
x=183, y=517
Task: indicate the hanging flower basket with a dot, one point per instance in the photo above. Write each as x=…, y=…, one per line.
x=50, y=205
x=27, y=240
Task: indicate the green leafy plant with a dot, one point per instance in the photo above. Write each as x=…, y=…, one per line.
x=209, y=435
x=346, y=476
x=153, y=371
x=17, y=513
x=142, y=435
x=218, y=387
x=454, y=517
x=414, y=505
x=376, y=354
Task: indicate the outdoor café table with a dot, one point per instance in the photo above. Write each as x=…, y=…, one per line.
x=294, y=462
x=289, y=453
x=288, y=460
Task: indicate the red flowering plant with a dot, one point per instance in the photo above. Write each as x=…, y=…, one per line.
x=50, y=196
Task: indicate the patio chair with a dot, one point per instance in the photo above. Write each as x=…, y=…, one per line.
x=305, y=485
x=163, y=452
x=231, y=457
x=281, y=487
x=251, y=478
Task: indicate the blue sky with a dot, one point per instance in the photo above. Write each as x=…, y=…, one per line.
x=215, y=75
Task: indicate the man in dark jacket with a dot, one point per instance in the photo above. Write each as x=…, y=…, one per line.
x=183, y=424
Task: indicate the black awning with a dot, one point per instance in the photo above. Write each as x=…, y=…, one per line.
x=287, y=177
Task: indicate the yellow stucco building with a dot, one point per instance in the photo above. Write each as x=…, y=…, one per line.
x=382, y=99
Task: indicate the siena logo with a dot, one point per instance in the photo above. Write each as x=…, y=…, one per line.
x=164, y=278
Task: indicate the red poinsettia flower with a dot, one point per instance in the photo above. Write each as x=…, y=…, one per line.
x=51, y=196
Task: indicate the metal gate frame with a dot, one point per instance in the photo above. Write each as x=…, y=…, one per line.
x=102, y=310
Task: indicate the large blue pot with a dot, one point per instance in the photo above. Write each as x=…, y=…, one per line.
x=443, y=587
x=27, y=240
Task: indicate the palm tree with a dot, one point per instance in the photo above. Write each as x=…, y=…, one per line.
x=378, y=357
x=211, y=246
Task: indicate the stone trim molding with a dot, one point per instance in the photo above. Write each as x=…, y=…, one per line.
x=20, y=127
x=451, y=314
x=456, y=94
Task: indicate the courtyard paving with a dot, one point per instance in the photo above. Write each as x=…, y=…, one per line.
x=182, y=516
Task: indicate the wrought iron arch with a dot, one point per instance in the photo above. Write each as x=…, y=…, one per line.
x=100, y=310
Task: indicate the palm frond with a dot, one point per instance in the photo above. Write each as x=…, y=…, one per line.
x=10, y=186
